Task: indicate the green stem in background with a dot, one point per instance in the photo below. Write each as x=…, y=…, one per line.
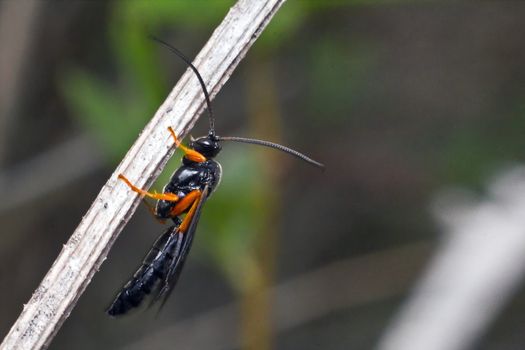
x=264, y=116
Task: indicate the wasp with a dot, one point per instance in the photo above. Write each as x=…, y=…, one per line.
x=181, y=201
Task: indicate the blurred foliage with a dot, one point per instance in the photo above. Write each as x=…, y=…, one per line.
x=327, y=59
x=116, y=104
x=475, y=152
x=230, y=226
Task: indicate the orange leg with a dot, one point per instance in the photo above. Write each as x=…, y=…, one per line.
x=189, y=153
x=185, y=203
x=188, y=218
x=171, y=197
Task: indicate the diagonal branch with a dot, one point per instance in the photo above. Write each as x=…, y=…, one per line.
x=87, y=248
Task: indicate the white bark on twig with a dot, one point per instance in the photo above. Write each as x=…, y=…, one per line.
x=87, y=248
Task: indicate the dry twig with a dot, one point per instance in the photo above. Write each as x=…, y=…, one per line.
x=87, y=248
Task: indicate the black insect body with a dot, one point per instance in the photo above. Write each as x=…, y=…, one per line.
x=191, y=184
x=185, y=194
x=152, y=272
x=189, y=177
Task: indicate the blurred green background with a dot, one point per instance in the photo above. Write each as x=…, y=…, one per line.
x=398, y=99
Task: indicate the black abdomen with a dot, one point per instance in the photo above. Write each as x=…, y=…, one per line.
x=151, y=274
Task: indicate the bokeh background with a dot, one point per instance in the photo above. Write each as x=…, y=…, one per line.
x=401, y=100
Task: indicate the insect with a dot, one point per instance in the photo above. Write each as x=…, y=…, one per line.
x=185, y=194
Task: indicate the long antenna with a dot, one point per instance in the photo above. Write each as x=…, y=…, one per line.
x=201, y=81
x=212, y=118
x=272, y=145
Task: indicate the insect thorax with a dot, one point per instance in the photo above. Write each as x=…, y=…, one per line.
x=189, y=177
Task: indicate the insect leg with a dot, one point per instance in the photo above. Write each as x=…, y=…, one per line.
x=189, y=153
x=170, y=197
x=183, y=228
x=185, y=203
